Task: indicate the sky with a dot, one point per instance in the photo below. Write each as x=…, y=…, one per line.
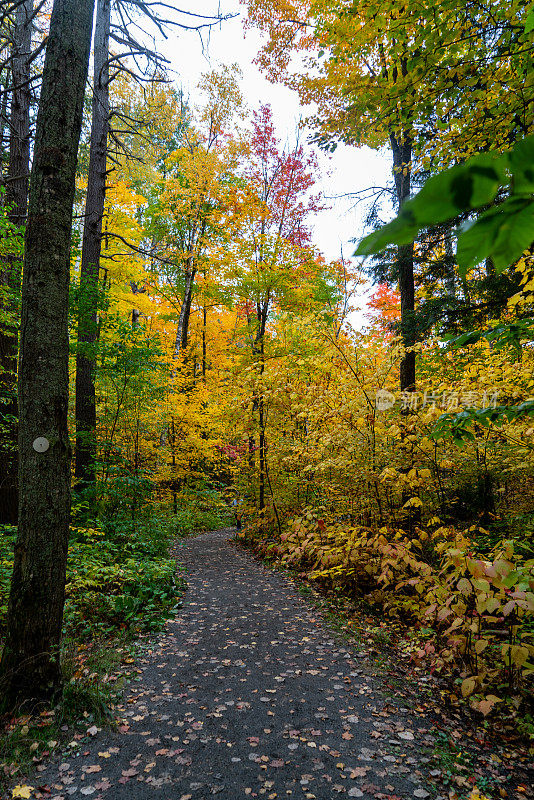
x=347, y=170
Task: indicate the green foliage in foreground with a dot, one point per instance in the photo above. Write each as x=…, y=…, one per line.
x=119, y=577
x=501, y=232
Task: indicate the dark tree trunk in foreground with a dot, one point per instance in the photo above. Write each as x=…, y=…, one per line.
x=17, y=199
x=402, y=157
x=30, y=668
x=85, y=469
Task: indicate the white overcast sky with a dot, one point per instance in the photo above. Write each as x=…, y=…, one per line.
x=349, y=169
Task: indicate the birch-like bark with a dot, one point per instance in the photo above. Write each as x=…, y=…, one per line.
x=182, y=330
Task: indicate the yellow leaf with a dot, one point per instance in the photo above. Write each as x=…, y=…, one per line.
x=413, y=502
x=518, y=655
x=468, y=686
x=22, y=791
x=475, y=795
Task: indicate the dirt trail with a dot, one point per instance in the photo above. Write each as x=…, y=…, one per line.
x=249, y=694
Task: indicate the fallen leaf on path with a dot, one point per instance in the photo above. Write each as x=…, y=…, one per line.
x=22, y=791
x=359, y=772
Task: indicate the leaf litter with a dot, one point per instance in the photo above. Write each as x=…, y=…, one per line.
x=249, y=693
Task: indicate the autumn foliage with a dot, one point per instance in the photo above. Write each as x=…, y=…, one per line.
x=230, y=356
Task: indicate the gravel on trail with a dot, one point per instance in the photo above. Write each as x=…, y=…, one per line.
x=248, y=693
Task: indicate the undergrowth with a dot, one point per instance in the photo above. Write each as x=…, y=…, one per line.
x=465, y=598
x=119, y=577
x=121, y=583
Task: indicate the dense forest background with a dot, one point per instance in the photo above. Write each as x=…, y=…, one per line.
x=196, y=348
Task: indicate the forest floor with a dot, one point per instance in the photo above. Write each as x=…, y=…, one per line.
x=250, y=692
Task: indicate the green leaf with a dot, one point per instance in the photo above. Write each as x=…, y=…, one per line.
x=476, y=242
x=459, y=425
x=442, y=198
x=470, y=337
x=529, y=22
x=460, y=189
x=502, y=233
x=522, y=165
x=401, y=230
x=505, y=334
x=516, y=233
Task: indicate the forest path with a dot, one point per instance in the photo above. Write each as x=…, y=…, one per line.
x=249, y=694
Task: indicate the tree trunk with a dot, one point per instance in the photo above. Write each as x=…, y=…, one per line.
x=182, y=330
x=85, y=468
x=204, y=343
x=261, y=460
x=19, y=141
x=136, y=313
x=17, y=199
x=402, y=156
x=259, y=351
x=30, y=668
x=251, y=458
x=3, y=123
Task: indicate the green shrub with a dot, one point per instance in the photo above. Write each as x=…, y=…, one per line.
x=119, y=577
x=7, y=542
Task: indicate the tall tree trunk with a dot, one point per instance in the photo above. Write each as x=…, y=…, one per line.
x=17, y=199
x=261, y=460
x=259, y=351
x=85, y=467
x=30, y=669
x=402, y=157
x=182, y=331
x=136, y=313
x=19, y=141
x=4, y=124
x=204, y=343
